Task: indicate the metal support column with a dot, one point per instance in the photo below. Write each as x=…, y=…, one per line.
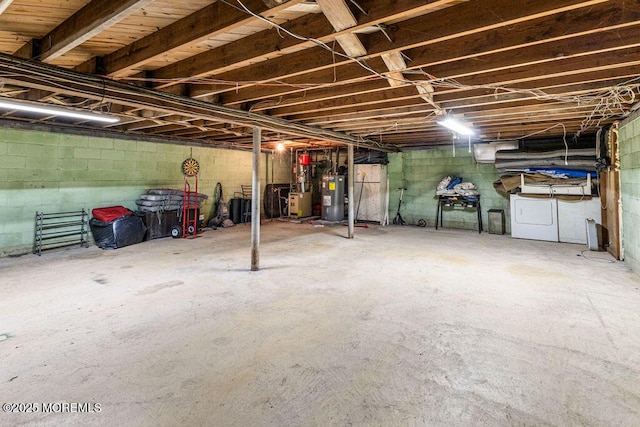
x=255, y=201
x=350, y=180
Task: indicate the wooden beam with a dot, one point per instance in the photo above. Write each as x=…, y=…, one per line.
x=574, y=72
x=270, y=44
x=28, y=50
x=317, y=95
x=474, y=99
x=341, y=18
x=351, y=45
x=338, y=13
x=441, y=55
x=4, y=4
x=36, y=95
x=274, y=3
x=217, y=18
x=92, y=19
x=479, y=118
x=344, y=70
x=267, y=44
x=396, y=64
x=40, y=76
x=445, y=25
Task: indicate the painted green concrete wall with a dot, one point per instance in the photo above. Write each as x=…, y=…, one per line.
x=420, y=172
x=629, y=138
x=52, y=172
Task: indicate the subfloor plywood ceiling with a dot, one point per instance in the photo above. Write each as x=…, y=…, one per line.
x=376, y=73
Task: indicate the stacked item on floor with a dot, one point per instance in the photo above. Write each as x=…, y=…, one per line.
x=454, y=186
x=557, y=172
x=160, y=199
x=164, y=199
x=114, y=227
x=161, y=210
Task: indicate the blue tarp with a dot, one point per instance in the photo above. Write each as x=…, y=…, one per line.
x=569, y=173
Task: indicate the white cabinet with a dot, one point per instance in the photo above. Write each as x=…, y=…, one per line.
x=552, y=219
x=370, y=193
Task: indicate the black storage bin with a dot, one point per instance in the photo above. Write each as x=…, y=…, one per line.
x=124, y=231
x=236, y=210
x=159, y=224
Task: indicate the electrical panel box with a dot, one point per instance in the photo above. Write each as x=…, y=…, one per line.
x=300, y=204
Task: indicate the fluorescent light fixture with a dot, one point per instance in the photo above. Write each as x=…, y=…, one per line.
x=56, y=111
x=454, y=125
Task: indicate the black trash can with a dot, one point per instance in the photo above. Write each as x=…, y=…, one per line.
x=236, y=210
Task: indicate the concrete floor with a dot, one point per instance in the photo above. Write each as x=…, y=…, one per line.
x=400, y=326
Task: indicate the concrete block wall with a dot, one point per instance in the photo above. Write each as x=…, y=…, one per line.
x=629, y=138
x=53, y=172
x=420, y=171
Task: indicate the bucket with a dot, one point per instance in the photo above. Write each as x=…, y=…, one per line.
x=305, y=159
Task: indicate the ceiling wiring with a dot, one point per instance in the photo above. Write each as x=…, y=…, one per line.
x=581, y=103
x=154, y=100
x=317, y=42
x=608, y=103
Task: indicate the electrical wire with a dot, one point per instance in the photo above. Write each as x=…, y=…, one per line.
x=607, y=104
x=118, y=93
x=607, y=261
x=317, y=42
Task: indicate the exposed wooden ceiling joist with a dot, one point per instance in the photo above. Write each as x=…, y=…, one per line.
x=447, y=24
x=270, y=44
x=84, y=24
x=384, y=68
x=4, y=4
x=217, y=18
x=41, y=77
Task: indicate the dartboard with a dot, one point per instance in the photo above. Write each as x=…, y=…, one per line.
x=190, y=167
